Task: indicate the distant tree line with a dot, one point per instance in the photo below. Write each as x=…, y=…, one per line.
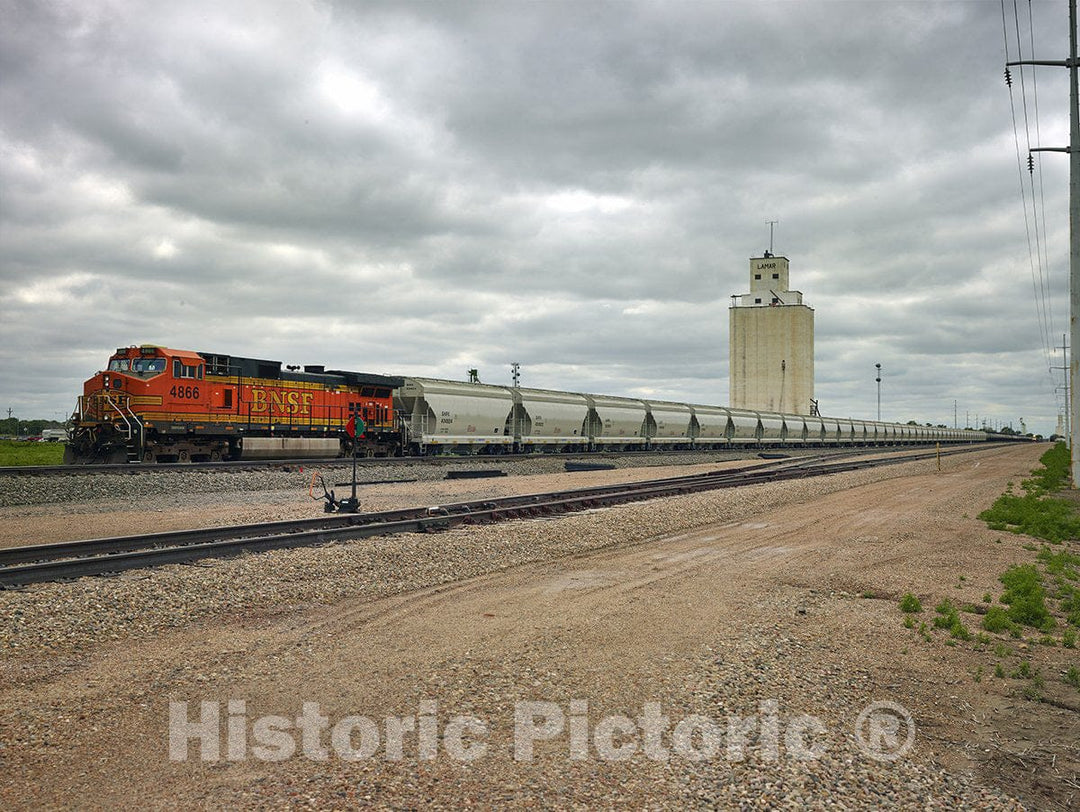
x=13, y=427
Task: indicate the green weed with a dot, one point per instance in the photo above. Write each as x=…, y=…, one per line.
x=1070, y=604
x=997, y=620
x=1035, y=513
x=1072, y=677
x=1055, y=471
x=1023, y=671
x=1062, y=563
x=946, y=611
x=1025, y=597
x=910, y=604
x=1032, y=692
x=949, y=618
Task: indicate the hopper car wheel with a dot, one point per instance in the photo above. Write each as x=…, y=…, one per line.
x=215, y=456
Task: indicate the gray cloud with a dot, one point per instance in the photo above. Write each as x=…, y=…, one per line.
x=429, y=187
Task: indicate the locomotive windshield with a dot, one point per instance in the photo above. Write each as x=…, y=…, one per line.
x=148, y=366
x=144, y=367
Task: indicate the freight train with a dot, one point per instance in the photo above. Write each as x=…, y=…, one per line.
x=156, y=404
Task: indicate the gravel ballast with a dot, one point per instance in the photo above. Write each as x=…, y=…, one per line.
x=709, y=604
x=87, y=611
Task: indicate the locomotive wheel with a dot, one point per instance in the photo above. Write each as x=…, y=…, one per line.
x=182, y=455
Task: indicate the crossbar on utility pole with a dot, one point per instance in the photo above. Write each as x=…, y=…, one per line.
x=1074, y=229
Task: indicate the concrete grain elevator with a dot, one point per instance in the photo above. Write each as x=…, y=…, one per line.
x=771, y=343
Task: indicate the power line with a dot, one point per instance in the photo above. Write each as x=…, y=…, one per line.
x=1038, y=277
x=1044, y=256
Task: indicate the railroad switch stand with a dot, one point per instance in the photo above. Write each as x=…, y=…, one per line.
x=348, y=504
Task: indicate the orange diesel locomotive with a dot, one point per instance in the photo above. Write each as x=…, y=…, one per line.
x=157, y=404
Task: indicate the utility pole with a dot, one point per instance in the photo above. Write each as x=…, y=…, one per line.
x=878, y=379
x=954, y=415
x=1065, y=366
x=1073, y=151
x=515, y=373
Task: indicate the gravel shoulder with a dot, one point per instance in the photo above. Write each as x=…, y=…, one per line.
x=767, y=605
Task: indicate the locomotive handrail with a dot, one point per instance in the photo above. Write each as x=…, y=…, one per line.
x=122, y=403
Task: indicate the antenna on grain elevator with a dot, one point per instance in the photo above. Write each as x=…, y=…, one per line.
x=1074, y=227
x=771, y=223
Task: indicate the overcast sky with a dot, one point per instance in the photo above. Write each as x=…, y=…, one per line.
x=424, y=188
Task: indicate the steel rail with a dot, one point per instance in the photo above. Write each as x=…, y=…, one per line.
x=447, y=459
x=37, y=552
x=49, y=562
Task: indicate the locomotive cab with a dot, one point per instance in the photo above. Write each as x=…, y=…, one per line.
x=115, y=417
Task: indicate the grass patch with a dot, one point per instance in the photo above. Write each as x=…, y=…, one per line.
x=1025, y=597
x=14, y=452
x=1042, y=517
x=910, y=604
x=997, y=620
x=1062, y=563
x=1072, y=677
x=1035, y=513
x=1023, y=671
x=1055, y=471
x=948, y=617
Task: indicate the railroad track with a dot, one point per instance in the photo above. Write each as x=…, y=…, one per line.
x=50, y=562
x=445, y=460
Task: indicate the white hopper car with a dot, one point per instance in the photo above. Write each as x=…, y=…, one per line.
x=470, y=418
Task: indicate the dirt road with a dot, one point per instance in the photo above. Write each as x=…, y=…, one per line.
x=732, y=663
